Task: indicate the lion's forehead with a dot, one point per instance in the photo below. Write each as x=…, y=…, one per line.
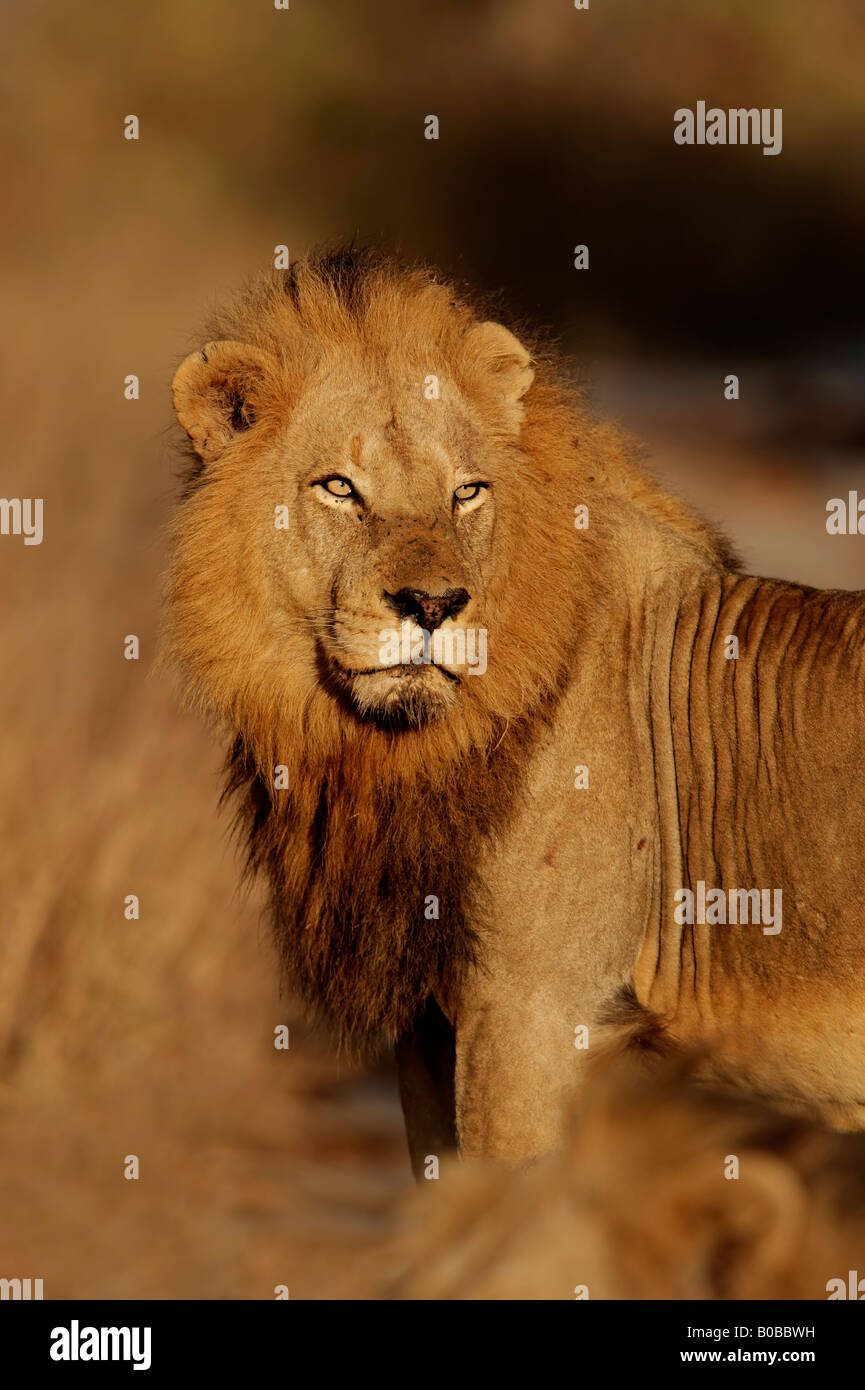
x=377, y=421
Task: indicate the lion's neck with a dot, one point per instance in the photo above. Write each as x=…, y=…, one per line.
x=373, y=881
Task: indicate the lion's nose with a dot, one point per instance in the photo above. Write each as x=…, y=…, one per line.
x=428, y=610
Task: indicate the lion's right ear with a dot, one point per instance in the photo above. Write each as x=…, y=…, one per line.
x=214, y=394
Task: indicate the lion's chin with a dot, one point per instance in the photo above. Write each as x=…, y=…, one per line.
x=409, y=696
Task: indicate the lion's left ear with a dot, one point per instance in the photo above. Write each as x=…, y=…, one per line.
x=505, y=359
x=214, y=394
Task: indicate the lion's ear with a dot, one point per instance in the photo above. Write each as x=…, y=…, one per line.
x=745, y=1234
x=504, y=358
x=214, y=391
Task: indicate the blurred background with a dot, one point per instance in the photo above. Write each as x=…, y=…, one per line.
x=259, y=127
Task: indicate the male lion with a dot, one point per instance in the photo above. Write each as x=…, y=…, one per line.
x=377, y=466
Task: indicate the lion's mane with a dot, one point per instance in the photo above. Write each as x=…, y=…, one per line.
x=377, y=819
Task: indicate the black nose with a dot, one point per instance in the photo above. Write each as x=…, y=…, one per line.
x=428, y=610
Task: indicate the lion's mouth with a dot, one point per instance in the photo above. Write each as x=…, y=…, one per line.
x=400, y=695
x=400, y=672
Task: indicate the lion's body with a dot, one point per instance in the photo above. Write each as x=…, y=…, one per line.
x=436, y=875
x=737, y=773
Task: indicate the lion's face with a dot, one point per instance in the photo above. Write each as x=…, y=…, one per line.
x=361, y=502
x=392, y=539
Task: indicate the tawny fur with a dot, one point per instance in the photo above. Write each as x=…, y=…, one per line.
x=663, y=1189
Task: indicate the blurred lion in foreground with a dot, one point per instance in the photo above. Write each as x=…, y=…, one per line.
x=509, y=735
x=662, y=1190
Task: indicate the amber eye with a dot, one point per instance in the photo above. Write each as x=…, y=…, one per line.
x=337, y=487
x=467, y=492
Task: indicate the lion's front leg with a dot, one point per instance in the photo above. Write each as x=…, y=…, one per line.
x=522, y=1060
x=425, y=1064
x=514, y=1078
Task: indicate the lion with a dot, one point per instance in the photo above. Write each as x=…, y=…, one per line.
x=662, y=1189
x=505, y=720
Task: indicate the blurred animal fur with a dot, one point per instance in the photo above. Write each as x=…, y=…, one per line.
x=640, y=1203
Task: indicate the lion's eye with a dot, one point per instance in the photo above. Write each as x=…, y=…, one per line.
x=337, y=487
x=467, y=492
